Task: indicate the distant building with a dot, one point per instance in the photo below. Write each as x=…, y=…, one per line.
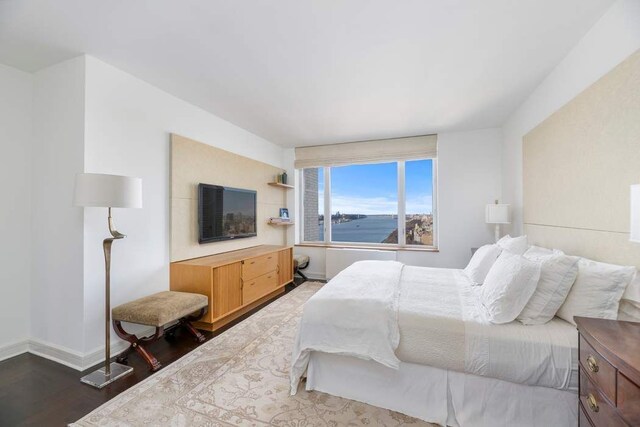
x=311, y=219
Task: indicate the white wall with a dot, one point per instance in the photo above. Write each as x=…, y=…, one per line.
x=128, y=123
x=85, y=115
x=469, y=171
x=57, y=226
x=15, y=212
x=612, y=39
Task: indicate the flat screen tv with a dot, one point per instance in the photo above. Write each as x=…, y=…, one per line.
x=225, y=213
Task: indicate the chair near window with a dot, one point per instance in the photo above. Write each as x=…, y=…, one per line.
x=300, y=262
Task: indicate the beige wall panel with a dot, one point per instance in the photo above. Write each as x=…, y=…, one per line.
x=604, y=246
x=193, y=162
x=578, y=165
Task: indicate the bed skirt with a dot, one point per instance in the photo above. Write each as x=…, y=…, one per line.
x=441, y=396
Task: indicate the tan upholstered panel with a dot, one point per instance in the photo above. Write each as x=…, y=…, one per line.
x=577, y=168
x=192, y=163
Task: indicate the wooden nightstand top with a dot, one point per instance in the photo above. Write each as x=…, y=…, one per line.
x=617, y=341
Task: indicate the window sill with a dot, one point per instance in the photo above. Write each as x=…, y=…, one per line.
x=376, y=247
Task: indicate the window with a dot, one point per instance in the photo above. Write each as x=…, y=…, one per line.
x=364, y=203
x=419, y=202
x=389, y=203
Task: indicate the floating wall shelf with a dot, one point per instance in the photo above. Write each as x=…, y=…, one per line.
x=277, y=221
x=281, y=185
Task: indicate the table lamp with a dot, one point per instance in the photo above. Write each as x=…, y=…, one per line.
x=498, y=214
x=108, y=191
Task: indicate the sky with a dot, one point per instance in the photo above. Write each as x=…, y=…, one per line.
x=373, y=188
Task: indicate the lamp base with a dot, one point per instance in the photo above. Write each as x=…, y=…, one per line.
x=98, y=379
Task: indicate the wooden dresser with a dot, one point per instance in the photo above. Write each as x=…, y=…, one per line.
x=235, y=282
x=609, y=354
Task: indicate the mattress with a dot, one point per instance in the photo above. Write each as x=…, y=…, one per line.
x=442, y=325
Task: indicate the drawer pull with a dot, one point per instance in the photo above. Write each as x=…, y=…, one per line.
x=593, y=404
x=592, y=364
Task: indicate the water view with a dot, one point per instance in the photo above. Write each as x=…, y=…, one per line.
x=374, y=228
x=380, y=229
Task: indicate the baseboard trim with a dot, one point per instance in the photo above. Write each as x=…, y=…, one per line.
x=72, y=358
x=314, y=276
x=56, y=353
x=13, y=349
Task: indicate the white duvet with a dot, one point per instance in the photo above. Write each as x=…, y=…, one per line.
x=355, y=314
x=429, y=316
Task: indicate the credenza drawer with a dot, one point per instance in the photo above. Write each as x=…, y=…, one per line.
x=600, y=411
x=601, y=372
x=254, y=267
x=259, y=286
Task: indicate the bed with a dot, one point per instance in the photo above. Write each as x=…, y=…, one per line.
x=414, y=340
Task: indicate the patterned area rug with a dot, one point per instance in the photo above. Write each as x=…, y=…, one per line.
x=240, y=378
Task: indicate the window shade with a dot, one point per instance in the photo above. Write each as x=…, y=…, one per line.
x=415, y=147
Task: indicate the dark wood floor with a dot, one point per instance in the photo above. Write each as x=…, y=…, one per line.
x=38, y=392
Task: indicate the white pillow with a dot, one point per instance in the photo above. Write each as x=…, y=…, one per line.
x=597, y=291
x=629, y=309
x=516, y=245
x=557, y=275
x=508, y=287
x=481, y=263
x=538, y=252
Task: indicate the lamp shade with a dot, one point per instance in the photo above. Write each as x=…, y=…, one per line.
x=634, y=234
x=108, y=191
x=498, y=214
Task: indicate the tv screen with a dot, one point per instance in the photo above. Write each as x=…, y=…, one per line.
x=225, y=213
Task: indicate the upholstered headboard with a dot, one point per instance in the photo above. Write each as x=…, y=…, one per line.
x=577, y=168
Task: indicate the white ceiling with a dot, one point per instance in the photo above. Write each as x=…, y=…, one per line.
x=301, y=72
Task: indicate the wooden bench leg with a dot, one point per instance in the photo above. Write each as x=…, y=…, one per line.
x=136, y=344
x=151, y=360
x=189, y=327
x=186, y=322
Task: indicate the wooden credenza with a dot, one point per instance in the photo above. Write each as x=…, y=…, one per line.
x=235, y=282
x=609, y=382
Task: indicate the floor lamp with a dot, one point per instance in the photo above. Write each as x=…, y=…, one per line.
x=108, y=191
x=498, y=214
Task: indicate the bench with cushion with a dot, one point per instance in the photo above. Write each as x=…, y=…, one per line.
x=300, y=262
x=158, y=310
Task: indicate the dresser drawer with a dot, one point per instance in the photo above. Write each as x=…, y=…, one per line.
x=254, y=267
x=628, y=400
x=599, y=410
x=601, y=372
x=259, y=286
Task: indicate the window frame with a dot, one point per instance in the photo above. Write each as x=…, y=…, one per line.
x=401, y=211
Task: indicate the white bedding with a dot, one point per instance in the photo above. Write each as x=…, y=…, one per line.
x=356, y=314
x=440, y=324
x=442, y=396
